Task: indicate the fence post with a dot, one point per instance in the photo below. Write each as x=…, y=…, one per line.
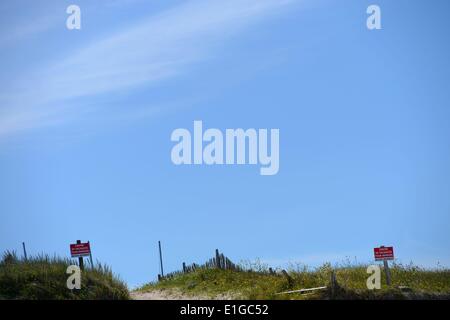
x=217, y=259
x=90, y=256
x=160, y=259
x=288, y=278
x=333, y=284
x=24, y=251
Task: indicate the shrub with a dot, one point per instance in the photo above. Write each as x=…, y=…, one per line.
x=44, y=277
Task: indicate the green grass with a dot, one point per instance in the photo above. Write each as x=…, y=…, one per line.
x=44, y=277
x=351, y=279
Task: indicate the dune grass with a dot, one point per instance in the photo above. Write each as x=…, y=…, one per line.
x=44, y=277
x=408, y=282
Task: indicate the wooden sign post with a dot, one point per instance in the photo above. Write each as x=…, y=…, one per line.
x=80, y=250
x=80, y=258
x=388, y=272
x=384, y=254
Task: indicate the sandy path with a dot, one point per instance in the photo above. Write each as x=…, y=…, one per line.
x=172, y=295
x=161, y=295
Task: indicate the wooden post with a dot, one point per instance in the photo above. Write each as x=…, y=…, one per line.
x=184, y=267
x=388, y=272
x=217, y=259
x=80, y=259
x=24, y=251
x=90, y=256
x=288, y=278
x=333, y=284
x=160, y=259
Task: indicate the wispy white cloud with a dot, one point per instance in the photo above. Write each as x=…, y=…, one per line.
x=22, y=20
x=160, y=47
x=27, y=29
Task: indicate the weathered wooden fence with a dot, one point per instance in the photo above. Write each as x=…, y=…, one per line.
x=219, y=261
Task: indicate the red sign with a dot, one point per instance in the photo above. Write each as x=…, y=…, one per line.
x=80, y=249
x=384, y=253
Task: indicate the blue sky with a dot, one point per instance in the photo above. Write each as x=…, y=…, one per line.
x=86, y=117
